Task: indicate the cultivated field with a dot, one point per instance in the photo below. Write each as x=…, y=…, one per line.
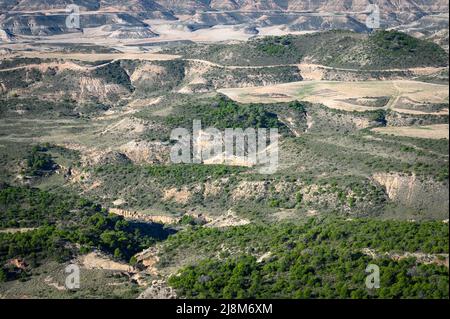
x=438, y=131
x=349, y=96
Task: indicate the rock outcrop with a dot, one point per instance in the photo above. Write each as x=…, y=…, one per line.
x=415, y=193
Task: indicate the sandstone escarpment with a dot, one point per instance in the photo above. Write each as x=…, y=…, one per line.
x=416, y=193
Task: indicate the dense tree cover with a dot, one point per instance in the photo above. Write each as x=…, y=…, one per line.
x=320, y=272
x=337, y=48
x=395, y=41
x=320, y=259
x=383, y=235
x=16, y=62
x=378, y=116
x=276, y=46
x=62, y=221
x=27, y=207
x=39, y=162
x=223, y=113
x=20, y=78
x=298, y=106
x=114, y=73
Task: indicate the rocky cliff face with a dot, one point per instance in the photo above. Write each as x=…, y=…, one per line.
x=415, y=193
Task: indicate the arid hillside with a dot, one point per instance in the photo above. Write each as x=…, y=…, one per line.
x=189, y=20
x=94, y=120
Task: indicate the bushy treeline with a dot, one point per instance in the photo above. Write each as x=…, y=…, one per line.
x=114, y=73
x=39, y=162
x=314, y=260
x=321, y=272
x=222, y=113
x=336, y=48
x=61, y=224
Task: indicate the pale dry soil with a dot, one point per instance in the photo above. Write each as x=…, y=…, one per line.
x=94, y=57
x=438, y=131
x=334, y=94
x=16, y=230
x=168, y=31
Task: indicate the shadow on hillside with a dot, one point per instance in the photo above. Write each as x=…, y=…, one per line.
x=157, y=231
